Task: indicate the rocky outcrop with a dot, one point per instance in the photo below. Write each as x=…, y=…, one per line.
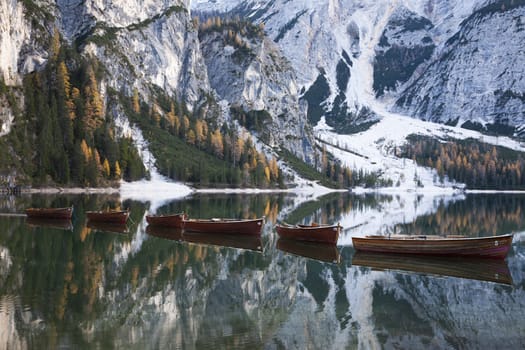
x=405, y=44
x=451, y=62
x=162, y=52
x=250, y=73
x=478, y=77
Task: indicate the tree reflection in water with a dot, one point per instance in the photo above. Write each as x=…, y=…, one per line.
x=94, y=288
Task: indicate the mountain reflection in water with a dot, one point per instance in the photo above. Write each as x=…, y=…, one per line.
x=163, y=288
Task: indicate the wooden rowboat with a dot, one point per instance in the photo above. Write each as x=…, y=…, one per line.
x=311, y=250
x=483, y=247
x=50, y=213
x=172, y=220
x=490, y=270
x=225, y=226
x=115, y=216
x=315, y=232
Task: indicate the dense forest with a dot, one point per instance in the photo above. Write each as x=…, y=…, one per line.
x=62, y=136
x=476, y=164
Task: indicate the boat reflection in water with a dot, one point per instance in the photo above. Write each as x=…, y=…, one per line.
x=249, y=242
x=50, y=213
x=318, y=251
x=108, y=216
x=174, y=234
x=63, y=224
x=112, y=227
x=490, y=270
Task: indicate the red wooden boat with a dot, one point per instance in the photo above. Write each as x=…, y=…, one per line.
x=482, y=247
x=50, y=213
x=172, y=220
x=314, y=232
x=225, y=226
x=115, y=216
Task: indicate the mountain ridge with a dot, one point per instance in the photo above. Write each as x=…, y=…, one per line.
x=360, y=31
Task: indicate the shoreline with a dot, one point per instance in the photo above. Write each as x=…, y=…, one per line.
x=298, y=189
x=72, y=190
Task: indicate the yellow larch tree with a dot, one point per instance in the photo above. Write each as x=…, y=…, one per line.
x=105, y=167
x=94, y=106
x=135, y=103
x=117, y=172
x=217, y=143
x=190, y=137
x=55, y=44
x=86, y=151
x=199, y=132
x=274, y=168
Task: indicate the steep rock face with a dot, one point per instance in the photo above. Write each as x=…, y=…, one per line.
x=478, y=77
x=252, y=75
x=404, y=45
x=14, y=31
x=78, y=16
x=21, y=51
x=141, y=44
x=325, y=42
x=441, y=61
x=6, y=116
x=163, y=52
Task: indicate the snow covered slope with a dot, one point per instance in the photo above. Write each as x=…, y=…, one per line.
x=347, y=52
x=374, y=149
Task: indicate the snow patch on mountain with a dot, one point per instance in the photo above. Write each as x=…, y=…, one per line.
x=375, y=149
x=158, y=190
x=339, y=41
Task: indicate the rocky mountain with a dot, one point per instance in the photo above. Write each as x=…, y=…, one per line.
x=297, y=64
x=452, y=62
x=250, y=74
x=477, y=77
x=151, y=50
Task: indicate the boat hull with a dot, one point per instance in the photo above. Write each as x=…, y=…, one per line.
x=50, y=213
x=174, y=220
x=496, y=247
x=325, y=234
x=108, y=216
x=225, y=226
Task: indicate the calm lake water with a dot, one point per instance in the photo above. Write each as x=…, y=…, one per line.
x=75, y=286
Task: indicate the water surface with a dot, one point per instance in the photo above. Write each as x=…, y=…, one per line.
x=76, y=286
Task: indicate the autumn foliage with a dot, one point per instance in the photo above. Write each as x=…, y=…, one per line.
x=478, y=165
